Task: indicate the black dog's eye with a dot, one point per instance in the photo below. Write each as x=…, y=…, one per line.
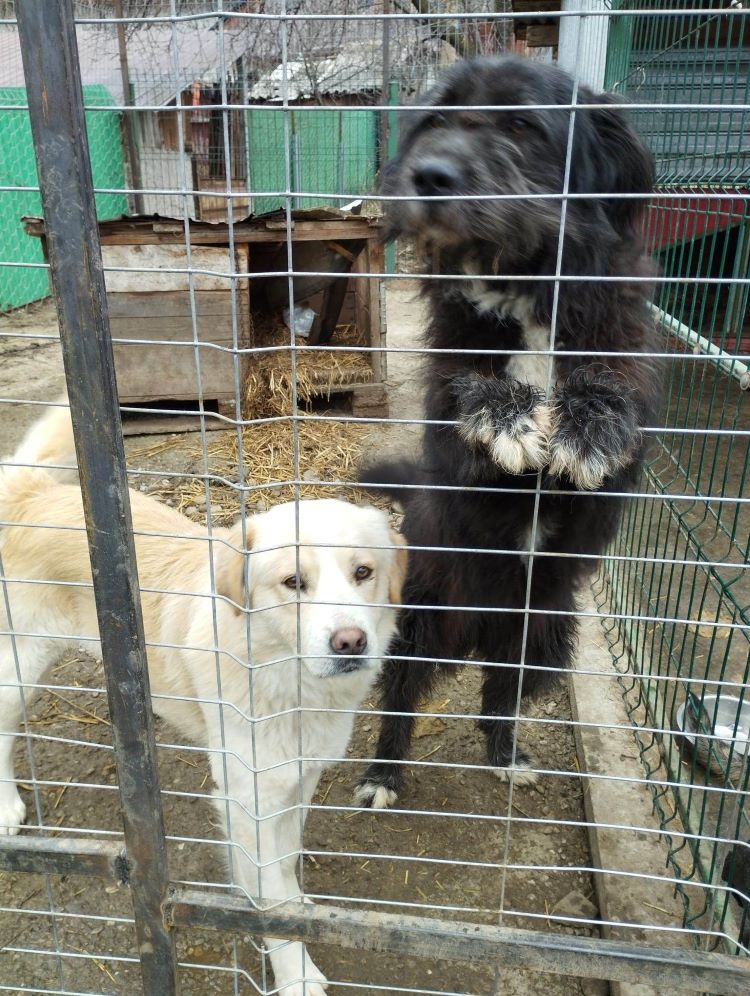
x=518, y=125
x=291, y=582
x=363, y=572
x=437, y=121
x=473, y=119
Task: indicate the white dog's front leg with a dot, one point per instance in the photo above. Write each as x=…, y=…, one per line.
x=295, y=972
x=267, y=850
x=32, y=656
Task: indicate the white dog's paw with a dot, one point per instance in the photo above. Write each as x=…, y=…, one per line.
x=12, y=812
x=522, y=774
x=371, y=795
x=314, y=983
x=303, y=989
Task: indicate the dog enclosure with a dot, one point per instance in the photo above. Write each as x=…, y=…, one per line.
x=626, y=868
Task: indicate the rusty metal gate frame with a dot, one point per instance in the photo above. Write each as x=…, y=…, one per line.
x=51, y=68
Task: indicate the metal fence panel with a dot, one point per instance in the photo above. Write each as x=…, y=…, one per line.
x=626, y=861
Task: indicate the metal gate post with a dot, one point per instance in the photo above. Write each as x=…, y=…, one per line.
x=55, y=97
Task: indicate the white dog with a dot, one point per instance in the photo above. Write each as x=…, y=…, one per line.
x=285, y=629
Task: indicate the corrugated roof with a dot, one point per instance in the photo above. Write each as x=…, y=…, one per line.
x=337, y=56
x=161, y=61
x=356, y=69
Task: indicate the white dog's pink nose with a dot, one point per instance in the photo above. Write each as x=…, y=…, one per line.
x=349, y=642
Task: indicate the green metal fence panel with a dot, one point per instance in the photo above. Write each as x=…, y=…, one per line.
x=266, y=137
x=330, y=152
x=685, y=58
x=690, y=539
x=20, y=285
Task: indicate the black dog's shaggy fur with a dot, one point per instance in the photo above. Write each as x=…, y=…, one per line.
x=578, y=422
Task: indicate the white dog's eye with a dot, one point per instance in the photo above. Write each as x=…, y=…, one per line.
x=291, y=582
x=363, y=572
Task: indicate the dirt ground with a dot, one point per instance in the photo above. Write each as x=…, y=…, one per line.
x=452, y=814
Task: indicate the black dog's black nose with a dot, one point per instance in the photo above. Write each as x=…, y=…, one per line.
x=436, y=177
x=350, y=642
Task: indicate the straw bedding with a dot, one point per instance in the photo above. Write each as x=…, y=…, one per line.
x=328, y=449
x=316, y=372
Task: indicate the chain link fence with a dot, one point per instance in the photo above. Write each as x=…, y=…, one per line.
x=20, y=280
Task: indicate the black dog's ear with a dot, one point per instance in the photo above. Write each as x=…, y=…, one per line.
x=388, y=181
x=611, y=158
x=387, y=184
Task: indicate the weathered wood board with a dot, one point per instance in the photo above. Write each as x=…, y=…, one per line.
x=171, y=342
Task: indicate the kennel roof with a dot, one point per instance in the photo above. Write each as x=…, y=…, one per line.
x=271, y=226
x=161, y=61
x=356, y=69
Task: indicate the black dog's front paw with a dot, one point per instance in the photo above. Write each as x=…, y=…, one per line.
x=379, y=786
x=596, y=430
x=510, y=419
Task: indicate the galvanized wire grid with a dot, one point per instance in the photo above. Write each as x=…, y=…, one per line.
x=232, y=115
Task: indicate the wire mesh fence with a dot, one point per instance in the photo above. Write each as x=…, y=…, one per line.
x=265, y=349
x=700, y=232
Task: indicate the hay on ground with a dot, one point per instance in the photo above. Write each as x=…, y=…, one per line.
x=317, y=453
x=328, y=451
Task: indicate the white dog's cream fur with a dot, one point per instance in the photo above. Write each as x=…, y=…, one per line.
x=268, y=679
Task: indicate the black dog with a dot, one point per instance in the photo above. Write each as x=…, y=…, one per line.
x=576, y=418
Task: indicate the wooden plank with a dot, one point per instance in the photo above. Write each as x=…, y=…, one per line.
x=367, y=303
x=361, y=313
x=158, y=367
x=375, y=262
x=542, y=35
x=370, y=401
x=155, y=372
x=149, y=425
x=214, y=209
x=536, y=6
x=303, y=221
x=309, y=231
x=164, y=260
x=169, y=306
x=127, y=331
x=242, y=293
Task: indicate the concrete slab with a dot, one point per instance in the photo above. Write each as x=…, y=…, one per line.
x=620, y=812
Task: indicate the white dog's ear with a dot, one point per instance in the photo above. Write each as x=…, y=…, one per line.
x=398, y=569
x=230, y=565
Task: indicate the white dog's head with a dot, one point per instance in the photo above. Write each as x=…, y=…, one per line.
x=322, y=578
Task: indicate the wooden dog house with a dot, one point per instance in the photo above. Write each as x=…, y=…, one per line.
x=174, y=318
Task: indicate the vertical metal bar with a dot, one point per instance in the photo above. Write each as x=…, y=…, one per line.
x=128, y=117
x=55, y=97
x=384, y=122
x=297, y=164
x=737, y=297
